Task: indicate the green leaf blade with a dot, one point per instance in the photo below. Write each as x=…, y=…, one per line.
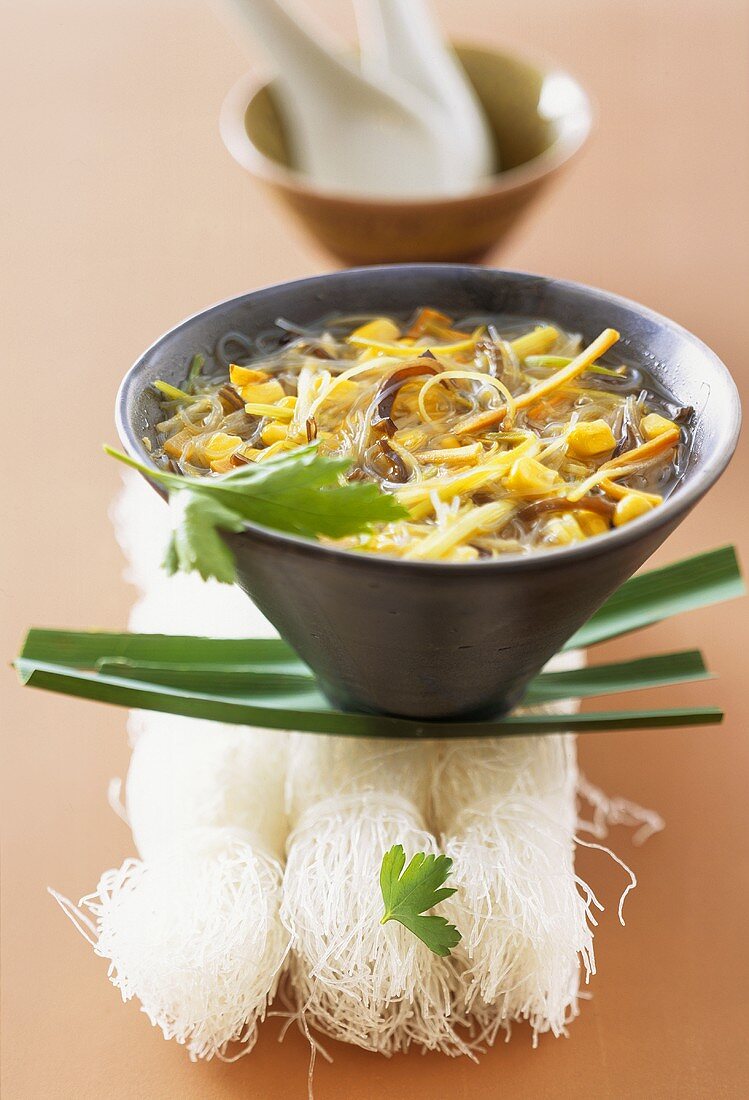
x=311, y=712
x=657, y=594
x=86, y=648
x=660, y=670
x=232, y=679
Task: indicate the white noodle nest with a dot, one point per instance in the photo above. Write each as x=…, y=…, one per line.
x=372, y=985
x=509, y=812
x=506, y=810
x=321, y=767
x=193, y=928
x=193, y=934
x=354, y=979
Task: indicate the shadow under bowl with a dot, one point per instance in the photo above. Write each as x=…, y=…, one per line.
x=430, y=639
x=539, y=118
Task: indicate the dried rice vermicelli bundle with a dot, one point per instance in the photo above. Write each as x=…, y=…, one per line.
x=506, y=808
x=507, y=811
x=192, y=929
x=352, y=978
x=194, y=934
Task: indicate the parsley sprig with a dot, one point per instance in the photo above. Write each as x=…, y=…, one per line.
x=301, y=492
x=408, y=893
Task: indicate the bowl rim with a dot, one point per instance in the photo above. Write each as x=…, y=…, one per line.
x=247, y=154
x=672, y=508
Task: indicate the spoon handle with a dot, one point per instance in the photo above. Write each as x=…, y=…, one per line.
x=402, y=39
x=298, y=51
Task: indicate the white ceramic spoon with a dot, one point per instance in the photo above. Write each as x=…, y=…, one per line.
x=400, y=38
x=350, y=133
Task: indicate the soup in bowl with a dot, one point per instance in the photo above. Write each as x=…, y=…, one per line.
x=542, y=438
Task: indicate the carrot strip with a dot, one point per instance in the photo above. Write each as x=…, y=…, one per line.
x=616, y=467
x=645, y=451
x=431, y=322
x=618, y=491
x=580, y=363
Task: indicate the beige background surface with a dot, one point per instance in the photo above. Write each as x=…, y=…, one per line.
x=121, y=214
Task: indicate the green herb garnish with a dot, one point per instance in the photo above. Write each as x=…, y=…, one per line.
x=196, y=366
x=300, y=493
x=172, y=393
x=408, y=894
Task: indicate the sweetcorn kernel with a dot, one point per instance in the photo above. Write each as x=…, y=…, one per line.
x=592, y=523
x=263, y=393
x=220, y=446
x=630, y=507
x=465, y=553
x=381, y=328
x=528, y=477
x=272, y=433
x=173, y=446
x=243, y=376
x=593, y=437
x=654, y=425
x=563, y=530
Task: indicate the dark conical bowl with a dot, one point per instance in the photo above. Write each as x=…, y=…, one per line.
x=437, y=640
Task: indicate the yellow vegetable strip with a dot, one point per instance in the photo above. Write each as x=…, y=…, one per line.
x=406, y=351
x=450, y=456
x=645, y=451
x=561, y=377
x=278, y=412
x=471, y=375
x=172, y=392
x=495, y=466
x=474, y=521
x=536, y=342
x=589, y=483
x=274, y=448
x=419, y=498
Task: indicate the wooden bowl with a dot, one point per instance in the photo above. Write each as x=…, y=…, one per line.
x=540, y=117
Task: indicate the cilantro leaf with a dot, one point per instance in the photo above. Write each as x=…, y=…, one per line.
x=299, y=492
x=195, y=543
x=407, y=894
